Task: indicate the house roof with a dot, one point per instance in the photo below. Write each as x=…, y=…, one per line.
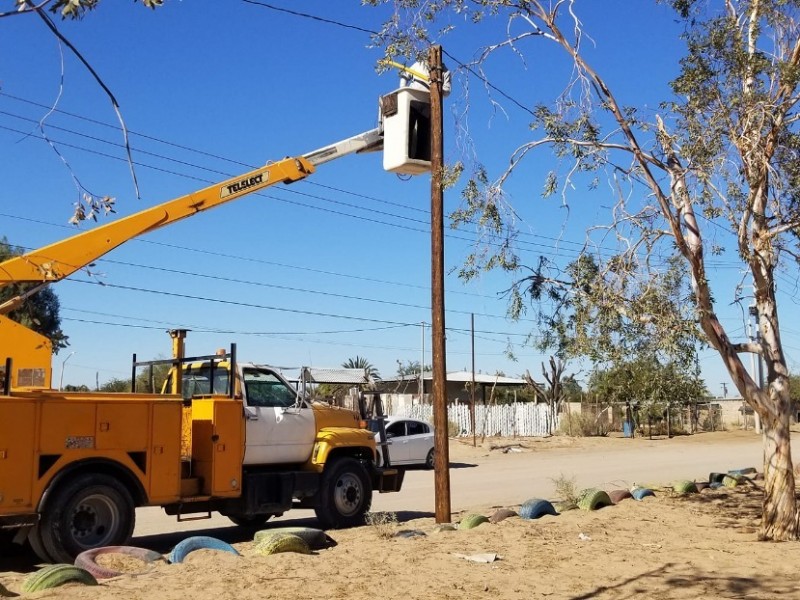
x=336, y=375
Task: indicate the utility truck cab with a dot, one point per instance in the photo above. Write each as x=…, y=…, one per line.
x=281, y=423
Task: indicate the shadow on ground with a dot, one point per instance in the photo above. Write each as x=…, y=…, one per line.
x=658, y=583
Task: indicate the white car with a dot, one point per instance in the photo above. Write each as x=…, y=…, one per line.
x=410, y=442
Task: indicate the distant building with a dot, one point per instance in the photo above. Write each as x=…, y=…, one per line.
x=404, y=391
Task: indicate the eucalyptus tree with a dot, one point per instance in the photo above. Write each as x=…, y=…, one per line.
x=40, y=312
x=721, y=154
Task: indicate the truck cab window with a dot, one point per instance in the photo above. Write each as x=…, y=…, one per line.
x=264, y=388
x=197, y=381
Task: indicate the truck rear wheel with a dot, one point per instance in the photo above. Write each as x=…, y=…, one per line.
x=345, y=494
x=90, y=511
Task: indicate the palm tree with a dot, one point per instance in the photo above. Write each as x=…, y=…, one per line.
x=360, y=362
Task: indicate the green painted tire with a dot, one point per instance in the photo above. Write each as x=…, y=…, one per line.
x=55, y=575
x=472, y=521
x=730, y=481
x=593, y=499
x=279, y=543
x=315, y=538
x=684, y=487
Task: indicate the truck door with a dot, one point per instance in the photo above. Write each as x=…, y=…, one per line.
x=280, y=426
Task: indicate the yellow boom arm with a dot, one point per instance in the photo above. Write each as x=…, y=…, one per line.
x=62, y=259
x=31, y=352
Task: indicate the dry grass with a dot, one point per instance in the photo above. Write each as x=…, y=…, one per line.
x=566, y=488
x=382, y=523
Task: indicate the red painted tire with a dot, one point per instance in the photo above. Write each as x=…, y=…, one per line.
x=88, y=560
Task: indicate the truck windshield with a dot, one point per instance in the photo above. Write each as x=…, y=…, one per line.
x=264, y=388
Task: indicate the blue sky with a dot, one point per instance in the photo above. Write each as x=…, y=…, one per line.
x=331, y=267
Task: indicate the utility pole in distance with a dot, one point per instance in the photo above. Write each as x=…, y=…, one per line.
x=441, y=463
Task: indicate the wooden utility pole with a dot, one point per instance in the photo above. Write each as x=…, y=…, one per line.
x=472, y=389
x=440, y=440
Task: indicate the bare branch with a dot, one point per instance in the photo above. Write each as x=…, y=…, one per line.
x=50, y=25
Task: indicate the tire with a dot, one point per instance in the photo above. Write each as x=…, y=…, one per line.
x=281, y=542
x=642, y=493
x=501, y=514
x=472, y=521
x=594, y=499
x=88, y=560
x=345, y=494
x=618, y=496
x=429, y=459
x=535, y=508
x=684, y=487
x=315, y=538
x=36, y=544
x=53, y=576
x=90, y=511
x=198, y=542
x=251, y=522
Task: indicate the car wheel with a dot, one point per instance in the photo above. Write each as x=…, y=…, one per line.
x=429, y=460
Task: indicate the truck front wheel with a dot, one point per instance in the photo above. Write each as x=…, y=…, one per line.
x=345, y=495
x=90, y=511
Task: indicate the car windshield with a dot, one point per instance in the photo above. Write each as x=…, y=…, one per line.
x=265, y=388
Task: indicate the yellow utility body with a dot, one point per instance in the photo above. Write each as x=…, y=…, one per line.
x=74, y=466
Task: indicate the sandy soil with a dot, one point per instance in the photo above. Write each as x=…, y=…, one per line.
x=696, y=546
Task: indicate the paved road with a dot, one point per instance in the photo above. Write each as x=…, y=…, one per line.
x=482, y=478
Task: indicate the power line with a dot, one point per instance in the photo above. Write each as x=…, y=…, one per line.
x=310, y=16
x=272, y=308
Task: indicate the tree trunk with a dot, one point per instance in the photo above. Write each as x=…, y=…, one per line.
x=779, y=519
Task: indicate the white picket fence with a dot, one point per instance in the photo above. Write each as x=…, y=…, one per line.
x=522, y=419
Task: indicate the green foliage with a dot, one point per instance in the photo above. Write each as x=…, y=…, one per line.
x=572, y=390
x=76, y=388
x=608, y=314
x=410, y=367
x=39, y=312
x=151, y=381
x=360, y=362
x=794, y=388
x=116, y=385
x=77, y=9
x=647, y=384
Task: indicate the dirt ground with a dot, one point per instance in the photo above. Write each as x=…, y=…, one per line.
x=700, y=545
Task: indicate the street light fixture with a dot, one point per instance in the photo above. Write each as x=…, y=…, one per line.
x=63, y=363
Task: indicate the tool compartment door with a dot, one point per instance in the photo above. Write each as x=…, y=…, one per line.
x=17, y=452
